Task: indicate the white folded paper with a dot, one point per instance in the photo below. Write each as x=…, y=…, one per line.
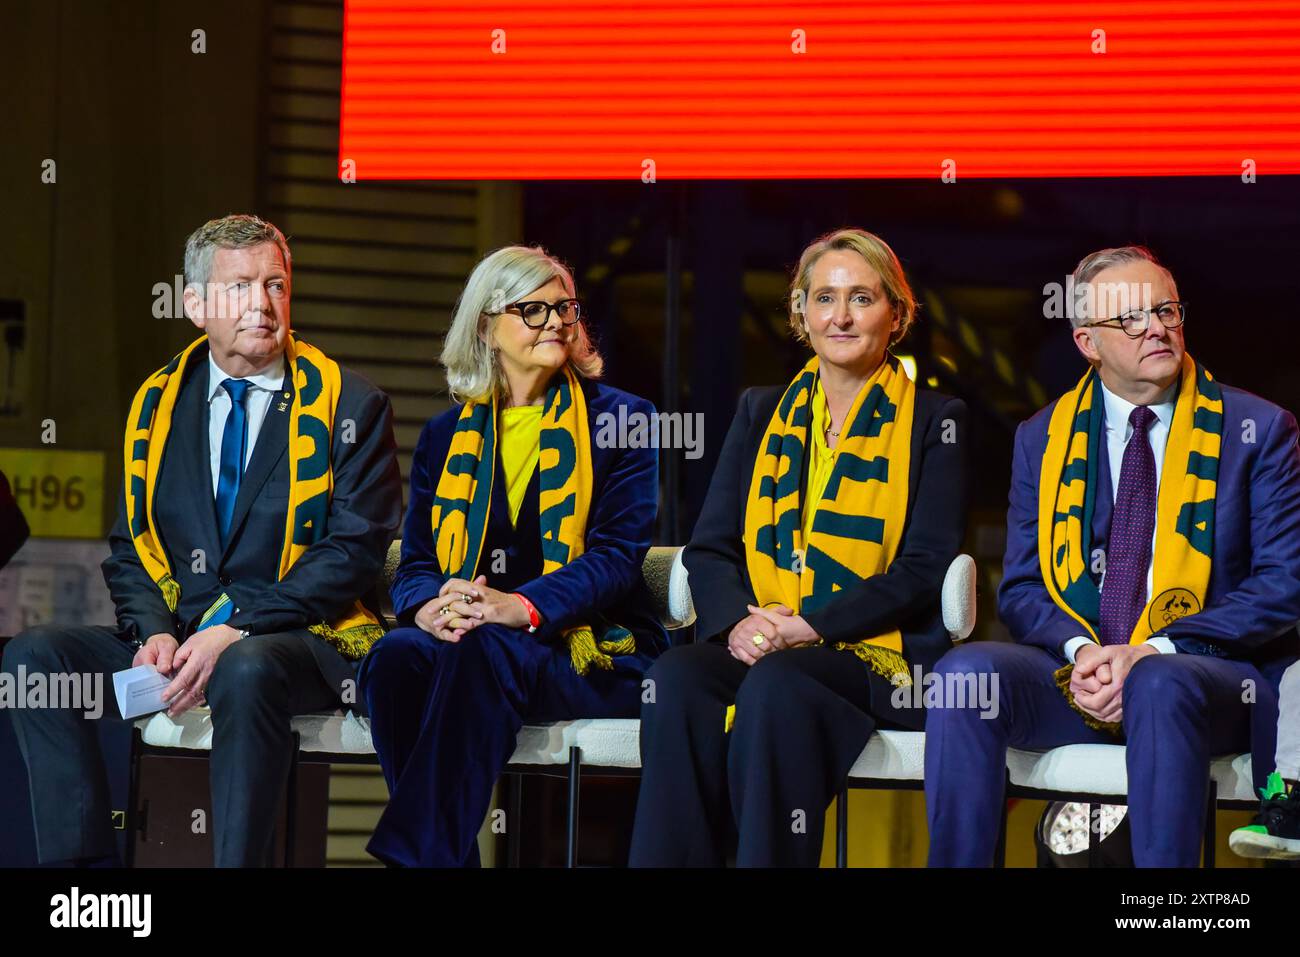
x=139, y=691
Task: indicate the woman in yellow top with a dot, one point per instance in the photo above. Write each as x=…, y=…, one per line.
x=816, y=564
x=519, y=592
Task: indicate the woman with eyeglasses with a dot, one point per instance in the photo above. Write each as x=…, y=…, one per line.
x=519, y=594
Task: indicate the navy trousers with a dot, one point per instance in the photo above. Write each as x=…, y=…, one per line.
x=1179, y=711
x=256, y=688
x=802, y=718
x=444, y=716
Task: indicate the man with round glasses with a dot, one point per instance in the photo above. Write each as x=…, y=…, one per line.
x=1151, y=579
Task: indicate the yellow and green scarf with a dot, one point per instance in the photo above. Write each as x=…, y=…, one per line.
x=1067, y=491
x=316, y=381
x=464, y=495
x=859, y=521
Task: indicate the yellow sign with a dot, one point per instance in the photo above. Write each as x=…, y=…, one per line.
x=61, y=493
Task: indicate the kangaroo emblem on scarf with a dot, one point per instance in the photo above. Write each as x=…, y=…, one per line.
x=317, y=383
x=1184, y=508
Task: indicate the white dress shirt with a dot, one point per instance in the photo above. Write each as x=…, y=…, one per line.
x=263, y=387
x=1118, y=432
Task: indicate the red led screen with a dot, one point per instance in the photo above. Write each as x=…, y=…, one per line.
x=599, y=89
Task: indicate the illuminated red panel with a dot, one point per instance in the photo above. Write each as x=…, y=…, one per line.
x=591, y=89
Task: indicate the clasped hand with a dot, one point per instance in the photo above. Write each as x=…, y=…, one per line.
x=778, y=626
x=1097, y=681
x=461, y=606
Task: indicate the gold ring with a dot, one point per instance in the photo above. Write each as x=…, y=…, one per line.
x=759, y=638
x=467, y=599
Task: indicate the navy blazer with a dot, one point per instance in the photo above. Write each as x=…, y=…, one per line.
x=365, y=509
x=1253, y=600
x=905, y=596
x=605, y=579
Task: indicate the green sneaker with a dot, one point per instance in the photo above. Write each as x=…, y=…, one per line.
x=1275, y=832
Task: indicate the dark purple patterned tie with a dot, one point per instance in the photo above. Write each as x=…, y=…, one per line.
x=1128, y=553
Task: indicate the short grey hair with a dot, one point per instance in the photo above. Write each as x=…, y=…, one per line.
x=502, y=277
x=236, y=231
x=1098, y=262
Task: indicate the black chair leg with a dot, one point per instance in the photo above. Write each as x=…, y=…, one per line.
x=291, y=805
x=842, y=828
x=133, y=798
x=1000, y=849
x=1094, y=835
x=575, y=771
x=514, y=817
x=1211, y=812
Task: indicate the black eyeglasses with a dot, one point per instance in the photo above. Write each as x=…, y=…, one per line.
x=536, y=313
x=1136, y=322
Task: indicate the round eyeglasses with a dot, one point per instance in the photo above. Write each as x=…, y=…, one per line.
x=1136, y=322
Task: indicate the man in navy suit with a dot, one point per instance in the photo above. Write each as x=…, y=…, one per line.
x=1204, y=683
x=220, y=507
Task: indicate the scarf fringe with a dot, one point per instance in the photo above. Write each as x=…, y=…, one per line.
x=171, y=591
x=585, y=652
x=352, y=643
x=886, y=662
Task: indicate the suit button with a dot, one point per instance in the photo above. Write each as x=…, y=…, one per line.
x=224, y=580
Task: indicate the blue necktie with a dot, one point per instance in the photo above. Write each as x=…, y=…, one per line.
x=1128, y=553
x=234, y=443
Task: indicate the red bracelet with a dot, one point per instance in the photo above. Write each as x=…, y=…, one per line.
x=534, y=618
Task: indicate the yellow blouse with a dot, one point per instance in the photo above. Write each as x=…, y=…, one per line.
x=519, y=434
x=821, y=460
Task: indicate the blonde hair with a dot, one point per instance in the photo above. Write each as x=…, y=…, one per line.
x=878, y=256
x=500, y=278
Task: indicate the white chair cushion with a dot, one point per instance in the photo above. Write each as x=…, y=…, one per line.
x=192, y=730
x=1077, y=768
x=329, y=732
x=1101, y=769
x=957, y=598
x=615, y=743
x=605, y=742
x=680, y=606
x=1233, y=776
x=893, y=756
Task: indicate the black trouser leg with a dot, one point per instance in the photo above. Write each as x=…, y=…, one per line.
x=682, y=815
x=257, y=686
x=60, y=746
x=802, y=718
